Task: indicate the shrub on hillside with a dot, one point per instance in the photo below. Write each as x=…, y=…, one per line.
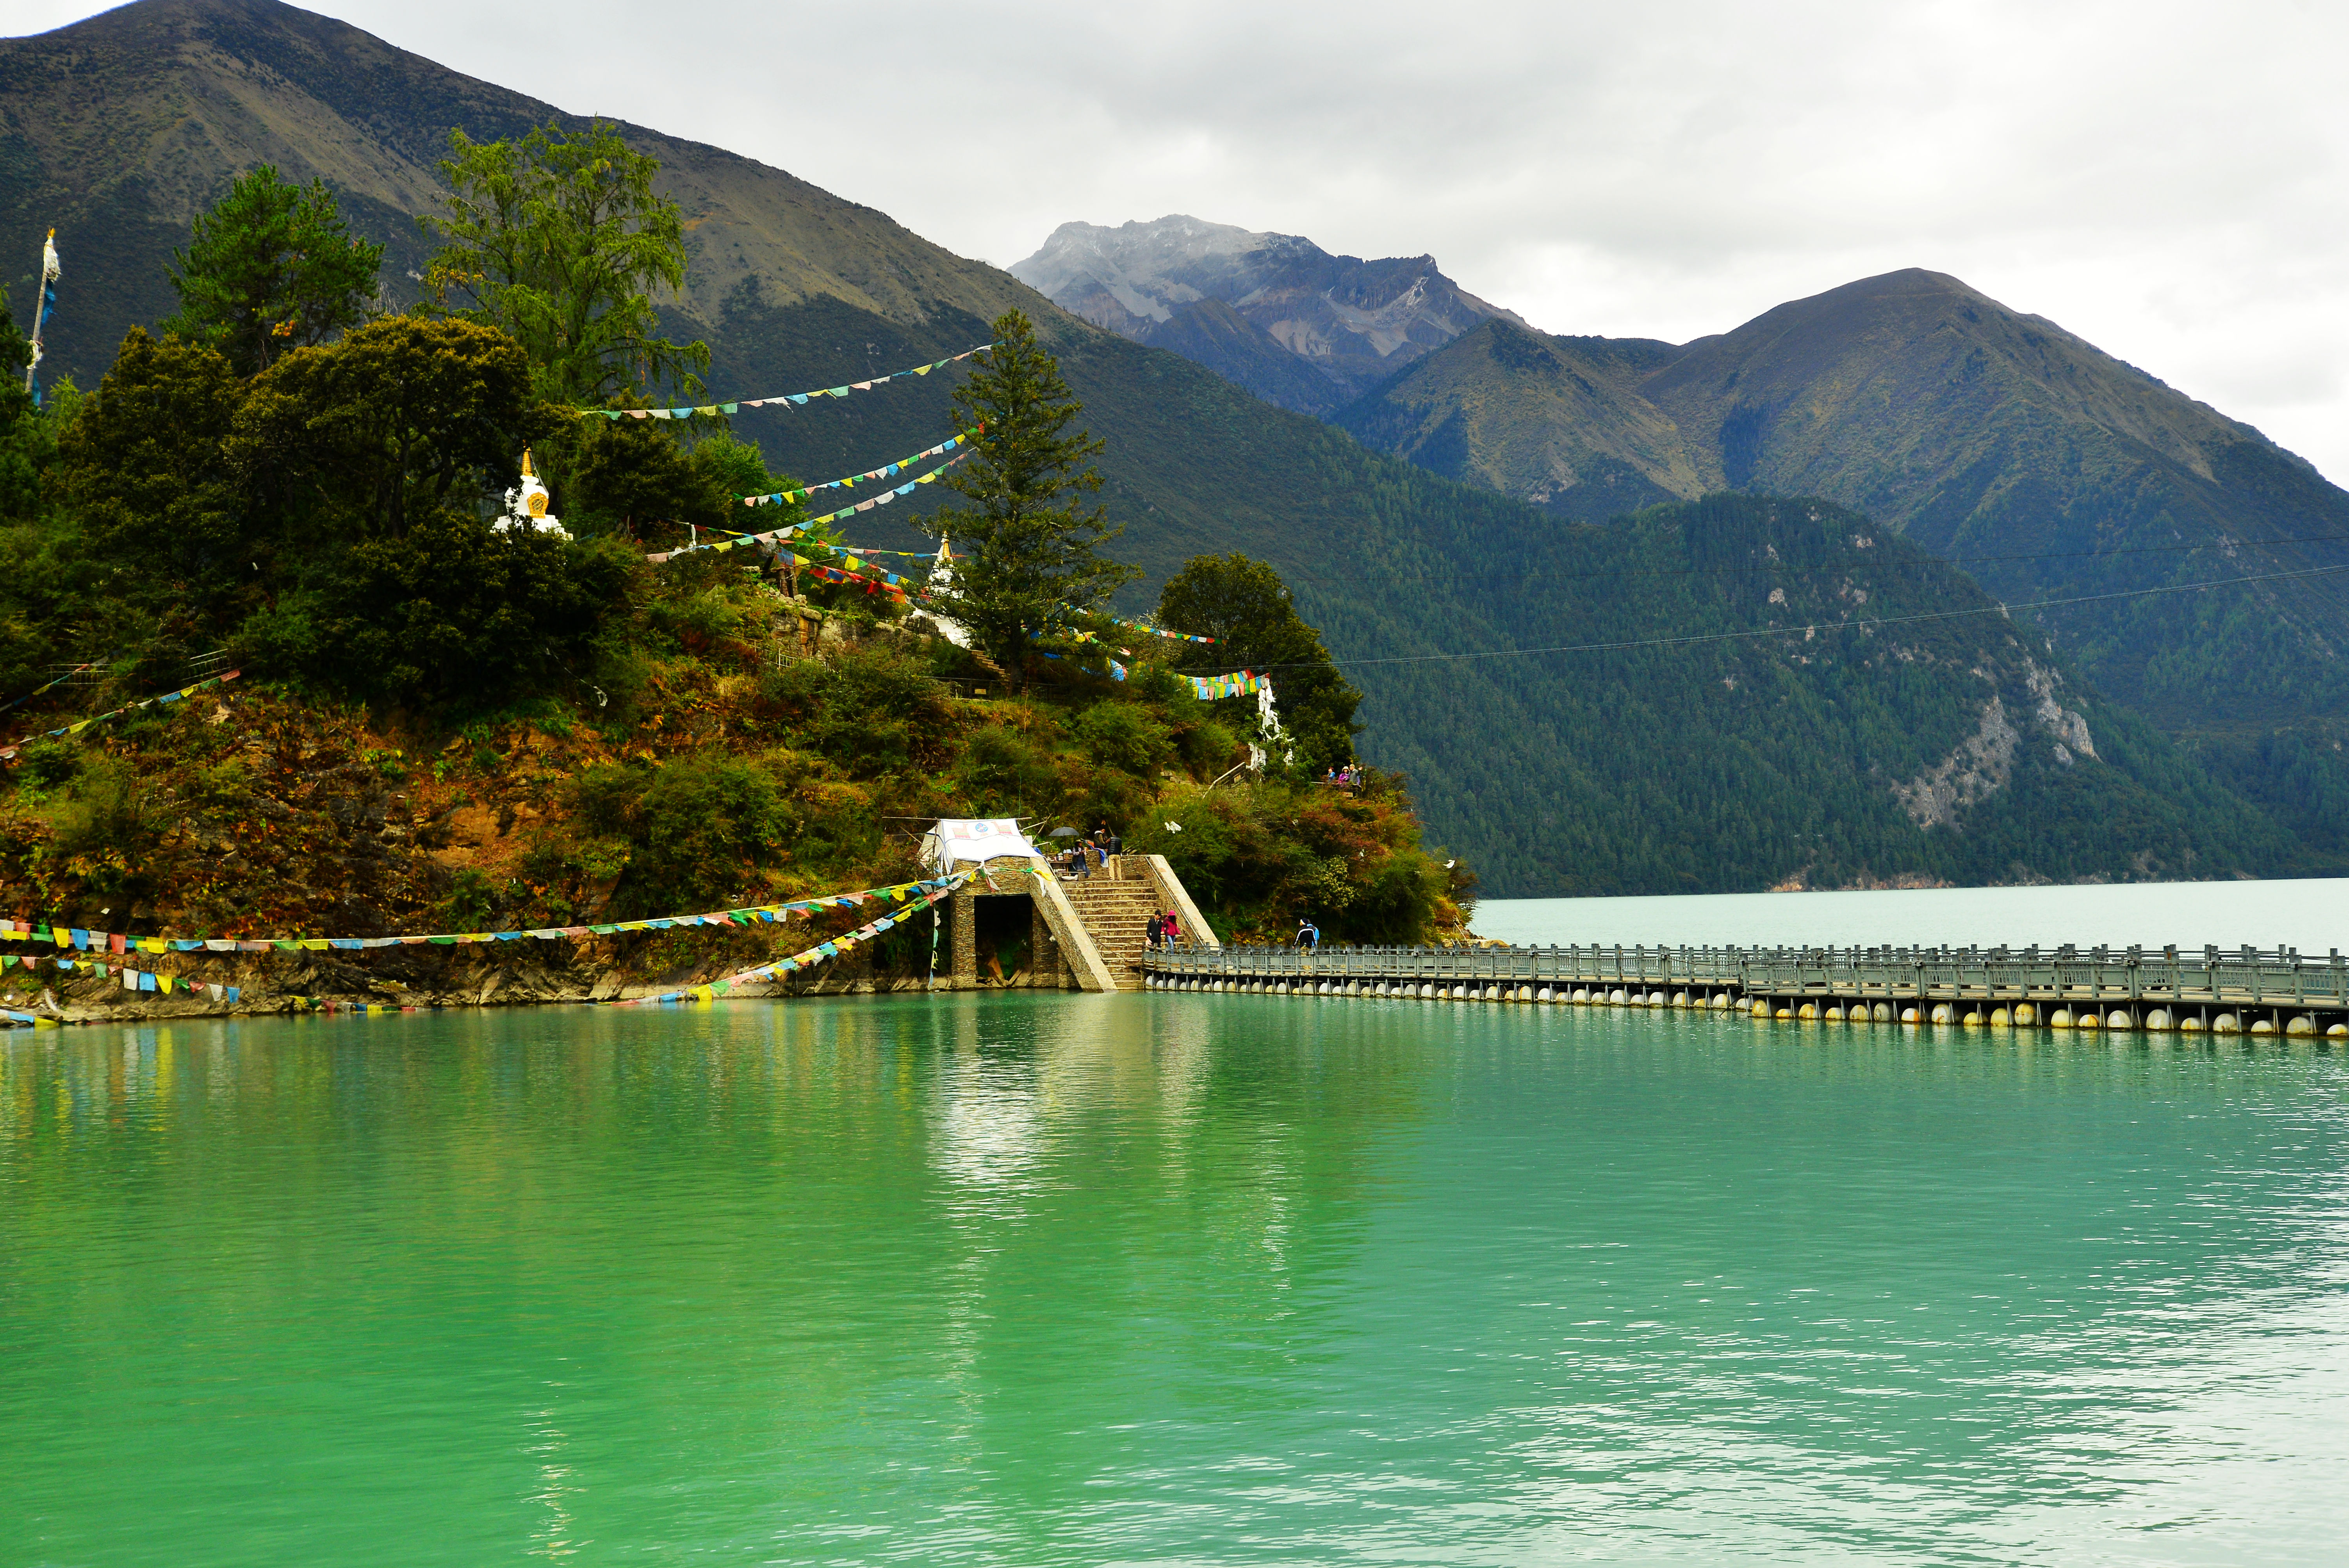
x=1265, y=853
x=449, y=611
x=872, y=711
x=1126, y=737
x=107, y=829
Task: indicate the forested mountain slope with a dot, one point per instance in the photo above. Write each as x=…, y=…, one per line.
x=1560, y=774
x=1560, y=422
x=2046, y=467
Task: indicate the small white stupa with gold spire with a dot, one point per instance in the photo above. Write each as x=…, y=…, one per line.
x=526, y=505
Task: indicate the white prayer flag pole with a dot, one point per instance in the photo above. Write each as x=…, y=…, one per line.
x=48, y=297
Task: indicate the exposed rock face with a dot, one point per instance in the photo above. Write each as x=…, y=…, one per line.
x=1983, y=762
x=1355, y=322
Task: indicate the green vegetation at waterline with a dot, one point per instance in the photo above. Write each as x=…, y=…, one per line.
x=453, y=718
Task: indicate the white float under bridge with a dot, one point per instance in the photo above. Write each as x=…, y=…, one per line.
x=2245, y=992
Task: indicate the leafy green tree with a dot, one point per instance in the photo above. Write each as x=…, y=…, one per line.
x=559, y=240
x=1247, y=609
x=272, y=267
x=1027, y=552
x=404, y=420
x=632, y=477
x=162, y=514
x=383, y=457
x=449, y=613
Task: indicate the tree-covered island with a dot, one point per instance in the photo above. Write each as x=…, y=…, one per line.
x=491, y=675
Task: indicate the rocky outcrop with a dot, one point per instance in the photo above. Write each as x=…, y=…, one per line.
x=1982, y=763
x=1352, y=321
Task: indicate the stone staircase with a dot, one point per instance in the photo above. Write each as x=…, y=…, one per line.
x=1116, y=915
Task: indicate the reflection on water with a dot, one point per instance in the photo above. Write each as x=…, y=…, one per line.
x=1045, y=1279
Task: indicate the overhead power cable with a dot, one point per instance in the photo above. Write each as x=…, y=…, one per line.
x=1816, y=626
x=1782, y=569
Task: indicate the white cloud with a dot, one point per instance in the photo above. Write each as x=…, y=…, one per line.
x=2163, y=178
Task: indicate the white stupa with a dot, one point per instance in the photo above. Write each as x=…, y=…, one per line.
x=526, y=505
x=941, y=585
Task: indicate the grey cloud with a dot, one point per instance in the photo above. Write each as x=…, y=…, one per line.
x=2163, y=178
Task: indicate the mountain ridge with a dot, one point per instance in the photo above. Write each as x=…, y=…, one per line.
x=1405, y=571
x=1998, y=439
x=1353, y=322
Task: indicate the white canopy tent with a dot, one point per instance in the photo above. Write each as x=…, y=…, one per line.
x=974, y=840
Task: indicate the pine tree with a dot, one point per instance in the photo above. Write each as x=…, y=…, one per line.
x=271, y=268
x=1026, y=551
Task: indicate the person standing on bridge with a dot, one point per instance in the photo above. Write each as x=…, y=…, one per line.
x=1308, y=935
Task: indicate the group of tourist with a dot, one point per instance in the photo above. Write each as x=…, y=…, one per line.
x=1082, y=857
x=1344, y=777
x=1165, y=929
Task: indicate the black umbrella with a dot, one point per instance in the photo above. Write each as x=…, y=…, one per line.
x=1062, y=834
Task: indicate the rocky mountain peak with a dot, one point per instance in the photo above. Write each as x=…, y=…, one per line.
x=1354, y=322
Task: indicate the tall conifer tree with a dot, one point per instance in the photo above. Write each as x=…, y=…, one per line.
x=1027, y=550
x=270, y=269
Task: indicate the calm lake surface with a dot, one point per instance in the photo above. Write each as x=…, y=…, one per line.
x=2312, y=914
x=1166, y=1279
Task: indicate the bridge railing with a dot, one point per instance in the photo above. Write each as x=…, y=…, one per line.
x=2272, y=975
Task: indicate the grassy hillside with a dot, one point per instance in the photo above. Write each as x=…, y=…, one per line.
x=1541, y=418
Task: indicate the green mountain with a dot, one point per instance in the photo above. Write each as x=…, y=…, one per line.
x=1718, y=766
x=1557, y=421
x=2046, y=467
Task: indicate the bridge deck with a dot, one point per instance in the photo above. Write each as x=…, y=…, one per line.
x=2141, y=988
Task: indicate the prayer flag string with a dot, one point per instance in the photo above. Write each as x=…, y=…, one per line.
x=887, y=470
x=782, y=400
x=835, y=947
x=771, y=535
x=1209, y=688
x=8, y=753
x=47, y=686
x=132, y=979
x=76, y=938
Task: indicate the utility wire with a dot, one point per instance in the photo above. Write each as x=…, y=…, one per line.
x=1781, y=569
x=1816, y=626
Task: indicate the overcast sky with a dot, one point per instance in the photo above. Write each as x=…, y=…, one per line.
x=2164, y=180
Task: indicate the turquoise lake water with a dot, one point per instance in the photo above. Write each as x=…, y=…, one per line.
x=1166, y=1279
